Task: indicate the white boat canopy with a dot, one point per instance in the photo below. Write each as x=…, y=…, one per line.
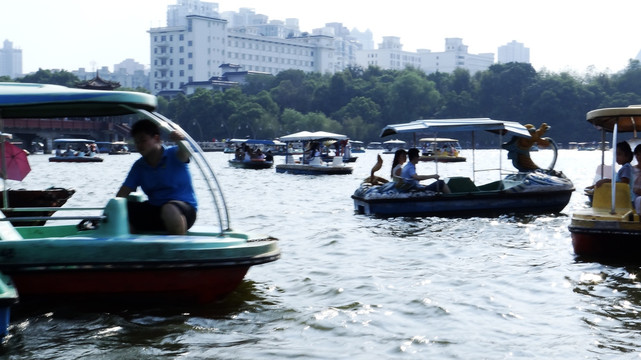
x=471, y=124
x=628, y=118
x=309, y=136
x=437, y=140
x=395, y=141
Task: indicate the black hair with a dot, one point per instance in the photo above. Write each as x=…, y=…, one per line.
x=145, y=126
x=637, y=149
x=412, y=153
x=397, y=156
x=627, y=151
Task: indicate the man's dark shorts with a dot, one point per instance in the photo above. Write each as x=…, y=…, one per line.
x=146, y=217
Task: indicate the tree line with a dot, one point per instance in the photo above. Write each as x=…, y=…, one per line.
x=359, y=102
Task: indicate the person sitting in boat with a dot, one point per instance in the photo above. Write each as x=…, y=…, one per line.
x=411, y=180
x=58, y=151
x=269, y=156
x=69, y=151
x=400, y=157
x=636, y=184
x=163, y=174
x=624, y=157
x=313, y=151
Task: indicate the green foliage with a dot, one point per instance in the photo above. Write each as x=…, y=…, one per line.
x=41, y=76
x=359, y=102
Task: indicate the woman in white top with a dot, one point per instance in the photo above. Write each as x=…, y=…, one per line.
x=400, y=157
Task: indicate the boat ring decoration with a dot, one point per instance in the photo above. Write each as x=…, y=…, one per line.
x=519, y=148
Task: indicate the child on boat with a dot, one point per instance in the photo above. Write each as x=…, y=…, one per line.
x=163, y=175
x=624, y=157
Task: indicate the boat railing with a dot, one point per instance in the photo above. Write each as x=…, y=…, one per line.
x=57, y=209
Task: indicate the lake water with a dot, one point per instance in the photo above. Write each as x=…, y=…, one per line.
x=355, y=287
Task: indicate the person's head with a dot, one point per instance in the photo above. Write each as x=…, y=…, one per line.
x=413, y=154
x=637, y=153
x=146, y=136
x=624, y=153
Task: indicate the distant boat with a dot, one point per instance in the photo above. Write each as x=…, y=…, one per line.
x=311, y=164
x=75, y=150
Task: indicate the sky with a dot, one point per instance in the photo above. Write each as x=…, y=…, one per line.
x=563, y=35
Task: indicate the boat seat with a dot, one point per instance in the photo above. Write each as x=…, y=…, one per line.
x=117, y=221
x=7, y=231
x=602, y=198
x=461, y=184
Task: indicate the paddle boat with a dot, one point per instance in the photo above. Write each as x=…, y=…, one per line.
x=96, y=256
x=310, y=163
x=375, y=145
x=75, y=150
x=253, y=154
x=441, y=150
x=610, y=228
x=391, y=146
x=357, y=146
x=521, y=192
x=119, y=148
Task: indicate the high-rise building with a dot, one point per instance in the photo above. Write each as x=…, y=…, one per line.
x=192, y=49
x=389, y=56
x=513, y=52
x=10, y=60
x=455, y=56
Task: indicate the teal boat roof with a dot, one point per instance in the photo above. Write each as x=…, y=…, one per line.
x=468, y=124
x=23, y=100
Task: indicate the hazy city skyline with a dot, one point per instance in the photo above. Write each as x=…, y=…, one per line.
x=72, y=34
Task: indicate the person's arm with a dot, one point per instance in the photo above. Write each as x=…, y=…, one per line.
x=124, y=191
x=426, y=177
x=183, y=152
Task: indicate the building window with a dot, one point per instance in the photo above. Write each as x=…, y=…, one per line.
x=182, y=72
x=190, y=55
x=189, y=43
x=181, y=61
x=190, y=67
x=181, y=37
x=181, y=49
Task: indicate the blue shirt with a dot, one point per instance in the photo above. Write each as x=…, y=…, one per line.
x=170, y=180
x=626, y=172
x=408, y=172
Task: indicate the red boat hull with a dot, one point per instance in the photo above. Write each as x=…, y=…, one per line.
x=198, y=285
x=606, y=243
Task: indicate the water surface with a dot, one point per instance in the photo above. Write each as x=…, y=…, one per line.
x=355, y=287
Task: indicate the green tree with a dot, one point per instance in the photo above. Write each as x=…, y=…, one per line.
x=41, y=76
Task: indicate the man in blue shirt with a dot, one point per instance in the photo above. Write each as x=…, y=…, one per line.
x=412, y=179
x=163, y=175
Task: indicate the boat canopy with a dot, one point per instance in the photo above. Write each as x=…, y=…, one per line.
x=437, y=140
x=394, y=141
x=75, y=141
x=23, y=100
x=309, y=136
x=471, y=124
x=627, y=118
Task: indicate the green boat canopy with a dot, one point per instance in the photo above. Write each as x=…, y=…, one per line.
x=22, y=100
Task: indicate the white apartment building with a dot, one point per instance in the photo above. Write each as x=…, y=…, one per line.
x=513, y=52
x=194, y=52
x=389, y=56
x=10, y=60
